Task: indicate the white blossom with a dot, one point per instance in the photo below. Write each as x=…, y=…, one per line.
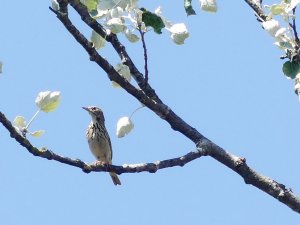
x=124, y=16
x=124, y=126
x=179, y=33
x=209, y=5
x=116, y=12
x=110, y=4
x=292, y=5
x=116, y=25
x=48, y=101
x=281, y=35
x=271, y=26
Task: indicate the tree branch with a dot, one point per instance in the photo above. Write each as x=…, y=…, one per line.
x=250, y=176
x=261, y=16
x=204, y=145
x=96, y=167
x=142, y=33
x=160, y=109
x=119, y=48
x=293, y=26
x=189, y=8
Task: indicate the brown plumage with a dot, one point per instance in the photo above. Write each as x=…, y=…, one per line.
x=98, y=139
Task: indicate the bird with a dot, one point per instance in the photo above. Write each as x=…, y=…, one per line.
x=99, y=140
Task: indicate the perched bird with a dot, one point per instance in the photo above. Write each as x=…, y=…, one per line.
x=98, y=139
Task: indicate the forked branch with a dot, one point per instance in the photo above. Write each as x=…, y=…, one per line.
x=204, y=147
x=203, y=144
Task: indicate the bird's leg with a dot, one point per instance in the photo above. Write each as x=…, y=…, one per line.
x=101, y=163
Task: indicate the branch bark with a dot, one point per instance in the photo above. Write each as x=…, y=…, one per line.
x=261, y=16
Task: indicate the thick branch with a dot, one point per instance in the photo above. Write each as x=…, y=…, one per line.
x=119, y=48
x=250, y=176
x=159, y=108
x=261, y=16
x=204, y=145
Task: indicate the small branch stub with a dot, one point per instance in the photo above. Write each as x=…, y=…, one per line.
x=297, y=85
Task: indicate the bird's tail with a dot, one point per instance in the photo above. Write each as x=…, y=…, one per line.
x=115, y=178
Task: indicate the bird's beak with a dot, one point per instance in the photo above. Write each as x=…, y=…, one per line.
x=85, y=108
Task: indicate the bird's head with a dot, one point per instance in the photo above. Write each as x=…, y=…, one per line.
x=96, y=113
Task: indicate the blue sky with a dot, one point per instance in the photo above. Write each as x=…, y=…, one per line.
x=226, y=81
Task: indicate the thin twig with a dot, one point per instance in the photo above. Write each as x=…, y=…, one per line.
x=145, y=52
x=136, y=111
x=96, y=167
x=294, y=27
x=117, y=45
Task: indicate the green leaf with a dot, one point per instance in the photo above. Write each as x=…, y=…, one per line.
x=152, y=20
x=277, y=9
x=290, y=69
x=98, y=41
x=189, y=8
x=91, y=4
